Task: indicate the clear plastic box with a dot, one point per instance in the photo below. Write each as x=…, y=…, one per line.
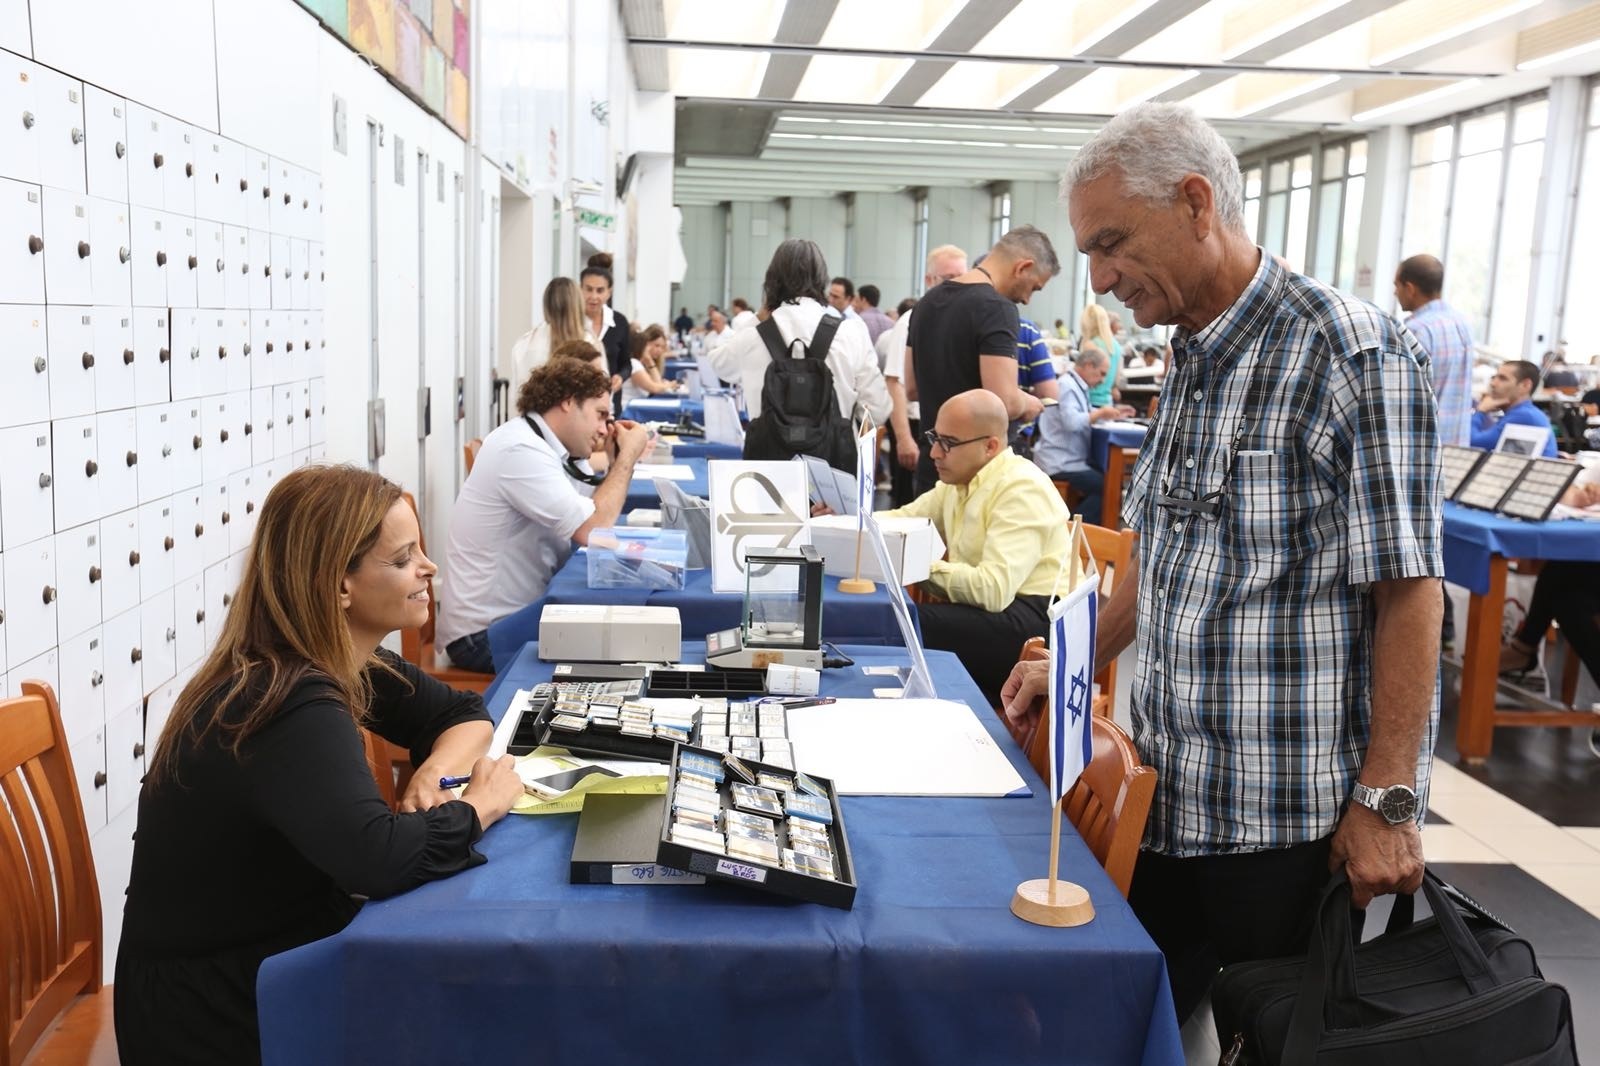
x=637, y=558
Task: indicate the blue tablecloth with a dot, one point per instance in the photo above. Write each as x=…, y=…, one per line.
x=677, y=365
x=665, y=409
x=846, y=618
x=509, y=962
x=689, y=448
x=1102, y=440
x=1472, y=536
x=642, y=490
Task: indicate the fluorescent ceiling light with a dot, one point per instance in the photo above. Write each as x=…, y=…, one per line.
x=1412, y=101
x=1288, y=25
x=1453, y=30
x=1153, y=91
x=1292, y=93
x=1557, y=57
x=1113, y=24
x=1026, y=84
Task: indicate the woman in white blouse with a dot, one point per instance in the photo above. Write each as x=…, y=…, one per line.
x=563, y=322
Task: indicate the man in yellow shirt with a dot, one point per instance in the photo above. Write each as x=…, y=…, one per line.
x=1006, y=529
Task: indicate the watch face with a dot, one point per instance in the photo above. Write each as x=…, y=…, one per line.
x=1397, y=804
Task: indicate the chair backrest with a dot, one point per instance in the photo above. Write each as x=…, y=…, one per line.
x=412, y=640
x=381, y=765
x=470, y=451
x=1113, y=552
x=49, y=898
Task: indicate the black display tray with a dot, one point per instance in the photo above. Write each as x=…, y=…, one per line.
x=536, y=723
x=840, y=892
x=729, y=684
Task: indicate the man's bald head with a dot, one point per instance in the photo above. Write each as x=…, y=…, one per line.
x=971, y=429
x=981, y=411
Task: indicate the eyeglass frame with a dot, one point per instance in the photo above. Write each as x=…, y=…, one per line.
x=935, y=439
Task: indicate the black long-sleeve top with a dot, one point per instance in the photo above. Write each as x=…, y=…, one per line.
x=239, y=857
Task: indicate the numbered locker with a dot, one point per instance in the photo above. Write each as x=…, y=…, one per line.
x=24, y=366
x=89, y=767
x=81, y=664
x=20, y=131
x=27, y=486
x=68, y=265
x=21, y=243
x=283, y=210
x=158, y=707
x=211, y=276
x=60, y=127
x=319, y=276
x=159, y=638
x=157, y=547
x=106, y=144
x=231, y=184
x=217, y=516
x=217, y=426
x=282, y=269
x=212, y=365
x=258, y=191
x=148, y=234
x=318, y=453
x=188, y=444
x=265, y=348
x=236, y=277
x=316, y=362
x=79, y=578
x=236, y=352
x=319, y=411
x=191, y=372
x=77, y=471
x=244, y=497
x=72, y=361
x=124, y=758
x=299, y=458
x=148, y=133
x=189, y=529
x=111, y=263
x=262, y=445
x=260, y=269
x=301, y=412
x=123, y=647
x=116, y=361
x=208, y=191
x=122, y=559
x=189, y=617
x=300, y=274
x=283, y=408
x=152, y=355
x=178, y=174
x=183, y=266
x=118, y=437
x=219, y=586
x=30, y=599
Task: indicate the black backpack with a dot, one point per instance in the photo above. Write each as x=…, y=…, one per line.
x=799, y=408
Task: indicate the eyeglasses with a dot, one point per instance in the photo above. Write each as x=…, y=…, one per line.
x=948, y=444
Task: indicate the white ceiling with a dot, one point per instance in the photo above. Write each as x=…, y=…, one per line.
x=815, y=97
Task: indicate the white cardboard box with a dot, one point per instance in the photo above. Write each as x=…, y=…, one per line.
x=584, y=632
x=913, y=545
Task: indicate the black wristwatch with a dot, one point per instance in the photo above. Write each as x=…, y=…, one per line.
x=1397, y=803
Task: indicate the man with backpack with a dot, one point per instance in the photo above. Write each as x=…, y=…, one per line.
x=805, y=370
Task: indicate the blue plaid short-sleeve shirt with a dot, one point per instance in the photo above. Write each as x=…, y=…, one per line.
x=1252, y=698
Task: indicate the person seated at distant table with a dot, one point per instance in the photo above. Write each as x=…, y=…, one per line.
x=1506, y=402
x=1006, y=530
x=649, y=357
x=1147, y=366
x=1567, y=593
x=1061, y=447
x=532, y=495
x=260, y=825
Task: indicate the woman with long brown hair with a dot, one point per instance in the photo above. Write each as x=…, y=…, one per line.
x=260, y=825
x=646, y=377
x=563, y=322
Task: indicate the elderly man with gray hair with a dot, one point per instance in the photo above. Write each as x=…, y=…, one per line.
x=1062, y=445
x=1286, y=586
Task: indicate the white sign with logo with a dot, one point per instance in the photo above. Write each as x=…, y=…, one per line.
x=755, y=507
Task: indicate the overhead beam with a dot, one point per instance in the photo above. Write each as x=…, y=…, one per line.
x=803, y=23
x=971, y=25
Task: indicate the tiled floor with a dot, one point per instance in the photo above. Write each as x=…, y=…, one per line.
x=1520, y=834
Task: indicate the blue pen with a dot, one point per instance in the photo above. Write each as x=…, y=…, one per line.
x=452, y=782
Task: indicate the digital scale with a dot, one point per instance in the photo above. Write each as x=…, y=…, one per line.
x=782, y=614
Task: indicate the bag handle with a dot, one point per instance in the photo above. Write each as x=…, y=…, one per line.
x=1328, y=995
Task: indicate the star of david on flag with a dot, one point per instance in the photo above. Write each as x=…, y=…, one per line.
x=1072, y=642
x=866, y=471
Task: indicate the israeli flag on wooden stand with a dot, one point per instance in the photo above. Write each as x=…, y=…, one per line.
x=866, y=470
x=1072, y=642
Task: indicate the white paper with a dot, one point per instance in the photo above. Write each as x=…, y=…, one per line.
x=832, y=487
x=908, y=747
x=1116, y=423
x=722, y=419
x=1517, y=439
x=755, y=507
x=672, y=472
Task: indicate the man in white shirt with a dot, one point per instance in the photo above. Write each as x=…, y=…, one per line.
x=532, y=496
x=795, y=289
x=719, y=333
x=742, y=314
x=944, y=262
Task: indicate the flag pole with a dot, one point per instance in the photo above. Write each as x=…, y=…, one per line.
x=1050, y=901
x=858, y=585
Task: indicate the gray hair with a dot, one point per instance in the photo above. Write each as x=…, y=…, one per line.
x=1153, y=146
x=1089, y=355
x=1030, y=242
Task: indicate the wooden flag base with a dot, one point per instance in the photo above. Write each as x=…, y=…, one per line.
x=856, y=585
x=1071, y=907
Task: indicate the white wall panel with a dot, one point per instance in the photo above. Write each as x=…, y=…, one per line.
x=14, y=32
x=172, y=69
x=267, y=79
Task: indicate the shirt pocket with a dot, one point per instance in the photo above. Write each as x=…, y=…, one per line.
x=1259, y=509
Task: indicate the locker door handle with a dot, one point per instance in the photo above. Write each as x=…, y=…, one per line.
x=133, y=558
x=135, y=655
x=39, y=364
x=138, y=751
x=269, y=347
x=219, y=266
x=77, y=135
x=166, y=451
x=244, y=268
x=194, y=353
x=226, y=517
x=199, y=530
x=194, y=261
x=289, y=347
x=249, y=507
x=94, y=574
x=49, y=594
x=266, y=191
x=45, y=480
x=197, y=442
x=127, y=357
x=133, y=458
x=304, y=204
x=224, y=436
x=122, y=149
x=27, y=120
x=287, y=199
x=35, y=244
x=188, y=170
x=91, y=468
x=199, y=616
x=96, y=679
x=168, y=544
x=123, y=255
x=99, y=779
x=166, y=353
x=161, y=259
x=160, y=160
x=88, y=360
x=267, y=270
x=83, y=249
x=246, y=347
x=249, y=428
x=227, y=599
x=306, y=276
x=222, y=351
x=243, y=184
x=172, y=634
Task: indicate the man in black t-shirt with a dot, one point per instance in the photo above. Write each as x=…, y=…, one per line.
x=964, y=333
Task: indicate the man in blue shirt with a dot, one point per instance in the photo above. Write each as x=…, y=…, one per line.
x=1062, y=437
x=1507, y=404
x=1035, y=372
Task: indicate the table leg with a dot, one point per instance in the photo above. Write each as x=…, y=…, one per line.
x=1480, y=666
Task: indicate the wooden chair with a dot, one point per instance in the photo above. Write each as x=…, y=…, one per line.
x=469, y=451
x=381, y=759
x=1119, y=469
x=50, y=928
x=416, y=645
x=1113, y=552
x=1110, y=802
